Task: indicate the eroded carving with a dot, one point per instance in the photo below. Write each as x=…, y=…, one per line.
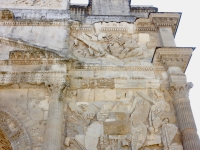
x=133, y=122
x=180, y=91
x=109, y=41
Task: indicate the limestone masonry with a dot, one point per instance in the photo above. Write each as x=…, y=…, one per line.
x=102, y=76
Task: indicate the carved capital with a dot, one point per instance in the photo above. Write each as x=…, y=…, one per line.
x=180, y=91
x=55, y=89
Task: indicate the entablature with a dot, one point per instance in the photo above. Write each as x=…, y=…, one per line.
x=173, y=56
x=157, y=20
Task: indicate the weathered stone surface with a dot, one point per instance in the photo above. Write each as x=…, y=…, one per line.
x=102, y=76
x=30, y=4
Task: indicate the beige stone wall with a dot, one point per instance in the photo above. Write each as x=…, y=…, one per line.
x=28, y=112
x=31, y=4
x=103, y=83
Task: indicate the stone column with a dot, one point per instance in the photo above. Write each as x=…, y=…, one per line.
x=180, y=93
x=53, y=133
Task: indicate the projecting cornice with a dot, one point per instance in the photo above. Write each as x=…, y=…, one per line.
x=173, y=56
x=29, y=54
x=157, y=20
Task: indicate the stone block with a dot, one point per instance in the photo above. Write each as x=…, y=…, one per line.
x=16, y=95
x=116, y=128
x=85, y=95
x=178, y=79
x=105, y=95
x=144, y=38
x=124, y=74
x=138, y=83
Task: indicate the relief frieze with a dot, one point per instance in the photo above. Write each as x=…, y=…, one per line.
x=110, y=42
x=135, y=121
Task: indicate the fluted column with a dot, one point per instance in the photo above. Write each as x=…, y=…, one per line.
x=53, y=133
x=185, y=116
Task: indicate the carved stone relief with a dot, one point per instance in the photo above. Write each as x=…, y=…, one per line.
x=116, y=42
x=132, y=120
x=108, y=96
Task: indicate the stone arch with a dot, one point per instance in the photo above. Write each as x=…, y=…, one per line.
x=16, y=133
x=12, y=117
x=4, y=142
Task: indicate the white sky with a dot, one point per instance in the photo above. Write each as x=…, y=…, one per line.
x=187, y=36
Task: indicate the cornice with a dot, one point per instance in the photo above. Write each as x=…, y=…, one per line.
x=157, y=20
x=113, y=68
x=164, y=19
x=24, y=46
x=33, y=23
x=143, y=9
x=32, y=77
x=172, y=56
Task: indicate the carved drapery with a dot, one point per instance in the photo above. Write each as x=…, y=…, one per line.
x=185, y=117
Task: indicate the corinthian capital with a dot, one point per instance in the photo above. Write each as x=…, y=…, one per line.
x=178, y=91
x=54, y=89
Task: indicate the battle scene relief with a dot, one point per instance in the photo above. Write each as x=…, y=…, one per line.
x=134, y=120
x=111, y=42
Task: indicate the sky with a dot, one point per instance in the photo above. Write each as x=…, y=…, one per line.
x=186, y=36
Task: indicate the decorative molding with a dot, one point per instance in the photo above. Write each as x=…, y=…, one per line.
x=32, y=23
x=143, y=9
x=18, y=44
x=98, y=83
x=172, y=56
x=34, y=58
x=166, y=20
x=157, y=20
x=113, y=68
x=109, y=18
x=24, y=46
x=32, y=77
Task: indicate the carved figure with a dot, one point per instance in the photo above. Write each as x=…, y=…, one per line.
x=138, y=132
x=168, y=133
x=157, y=109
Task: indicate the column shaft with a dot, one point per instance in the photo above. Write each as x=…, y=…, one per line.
x=53, y=134
x=186, y=120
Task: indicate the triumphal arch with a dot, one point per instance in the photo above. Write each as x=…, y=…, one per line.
x=102, y=76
